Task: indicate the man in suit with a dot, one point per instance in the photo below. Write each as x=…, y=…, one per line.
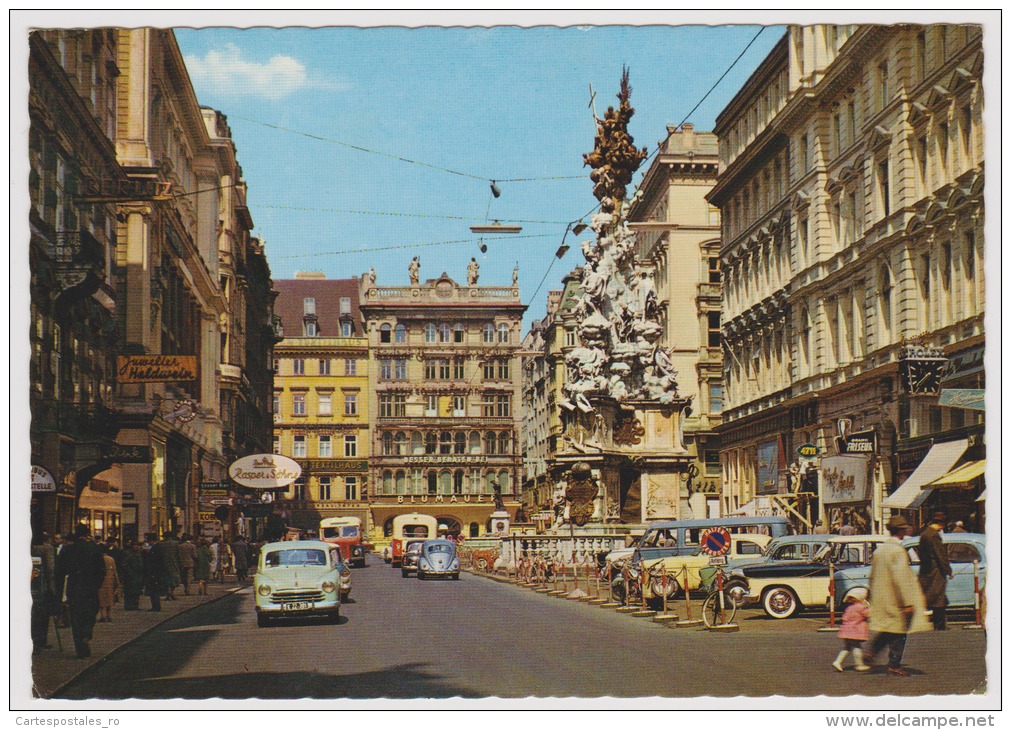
x=82, y=566
x=935, y=570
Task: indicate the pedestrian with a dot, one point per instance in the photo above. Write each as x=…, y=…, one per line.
x=132, y=575
x=187, y=550
x=240, y=555
x=114, y=550
x=935, y=570
x=173, y=566
x=847, y=529
x=43, y=595
x=897, y=605
x=108, y=592
x=155, y=578
x=820, y=528
x=215, y=549
x=81, y=565
x=202, y=567
x=854, y=629
x=959, y=526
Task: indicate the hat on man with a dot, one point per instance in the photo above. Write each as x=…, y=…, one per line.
x=897, y=522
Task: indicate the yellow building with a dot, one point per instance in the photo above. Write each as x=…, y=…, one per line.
x=321, y=405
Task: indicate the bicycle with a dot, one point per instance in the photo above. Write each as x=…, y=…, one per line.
x=716, y=611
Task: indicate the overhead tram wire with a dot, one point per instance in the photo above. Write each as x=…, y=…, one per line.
x=407, y=215
x=659, y=146
x=403, y=159
x=406, y=245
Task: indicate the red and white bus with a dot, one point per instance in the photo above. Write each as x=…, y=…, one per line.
x=346, y=533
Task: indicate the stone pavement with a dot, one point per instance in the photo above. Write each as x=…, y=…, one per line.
x=54, y=668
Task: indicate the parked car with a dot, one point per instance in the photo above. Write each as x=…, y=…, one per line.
x=438, y=559
x=299, y=578
x=740, y=546
x=411, y=556
x=963, y=549
x=784, y=588
x=786, y=548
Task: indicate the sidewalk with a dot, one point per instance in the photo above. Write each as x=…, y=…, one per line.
x=53, y=669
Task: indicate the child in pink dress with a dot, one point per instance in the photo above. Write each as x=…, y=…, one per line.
x=854, y=629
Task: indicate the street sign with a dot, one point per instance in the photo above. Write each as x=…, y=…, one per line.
x=715, y=541
x=718, y=560
x=218, y=501
x=42, y=479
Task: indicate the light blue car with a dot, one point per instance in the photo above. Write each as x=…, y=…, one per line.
x=964, y=548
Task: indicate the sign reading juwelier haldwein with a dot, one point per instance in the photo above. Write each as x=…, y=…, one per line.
x=156, y=368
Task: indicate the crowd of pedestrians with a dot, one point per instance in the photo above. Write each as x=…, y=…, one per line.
x=77, y=581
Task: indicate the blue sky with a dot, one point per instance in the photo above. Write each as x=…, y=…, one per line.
x=495, y=103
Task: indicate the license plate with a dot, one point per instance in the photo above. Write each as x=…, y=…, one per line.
x=718, y=560
x=296, y=606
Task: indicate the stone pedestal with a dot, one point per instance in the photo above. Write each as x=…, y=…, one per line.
x=500, y=523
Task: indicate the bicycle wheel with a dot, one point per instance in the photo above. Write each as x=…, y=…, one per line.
x=711, y=610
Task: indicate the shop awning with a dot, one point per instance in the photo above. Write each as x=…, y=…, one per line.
x=938, y=462
x=961, y=476
x=981, y=497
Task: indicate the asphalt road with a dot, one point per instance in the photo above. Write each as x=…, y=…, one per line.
x=404, y=638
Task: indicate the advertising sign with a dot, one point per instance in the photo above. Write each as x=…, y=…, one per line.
x=846, y=479
x=768, y=468
x=971, y=398
x=42, y=480
x=156, y=368
x=808, y=451
x=265, y=471
x=128, y=454
x=862, y=442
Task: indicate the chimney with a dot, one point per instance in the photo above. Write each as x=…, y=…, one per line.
x=688, y=129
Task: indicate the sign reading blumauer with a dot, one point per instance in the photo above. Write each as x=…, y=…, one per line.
x=156, y=368
x=265, y=471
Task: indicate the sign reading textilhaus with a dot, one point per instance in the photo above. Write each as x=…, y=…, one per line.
x=265, y=471
x=156, y=368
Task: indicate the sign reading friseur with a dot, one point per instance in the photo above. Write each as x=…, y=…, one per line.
x=156, y=368
x=264, y=471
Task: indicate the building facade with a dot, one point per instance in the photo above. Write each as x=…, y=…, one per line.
x=678, y=236
x=445, y=386
x=321, y=398
x=852, y=257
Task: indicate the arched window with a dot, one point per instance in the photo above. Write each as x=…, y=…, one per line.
x=416, y=481
x=503, y=443
x=446, y=482
x=490, y=442
x=400, y=333
x=488, y=334
x=459, y=333
x=444, y=332
x=430, y=333
x=475, y=529
x=445, y=443
x=401, y=482
x=385, y=333
x=387, y=444
x=417, y=443
x=400, y=444
x=475, y=442
x=503, y=333
x=433, y=481
x=458, y=481
x=431, y=443
x=460, y=443
x=387, y=482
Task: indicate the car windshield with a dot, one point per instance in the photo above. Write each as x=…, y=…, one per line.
x=414, y=547
x=298, y=556
x=349, y=531
x=439, y=547
x=415, y=531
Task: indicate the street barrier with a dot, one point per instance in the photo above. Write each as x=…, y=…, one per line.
x=688, y=620
x=831, y=601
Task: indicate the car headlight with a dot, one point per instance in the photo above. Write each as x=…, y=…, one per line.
x=456, y=563
x=328, y=586
x=263, y=589
x=358, y=550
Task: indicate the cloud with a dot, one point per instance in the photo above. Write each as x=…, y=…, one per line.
x=227, y=73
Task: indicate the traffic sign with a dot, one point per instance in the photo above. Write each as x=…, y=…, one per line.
x=715, y=541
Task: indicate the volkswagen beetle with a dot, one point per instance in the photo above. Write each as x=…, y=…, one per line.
x=438, y=559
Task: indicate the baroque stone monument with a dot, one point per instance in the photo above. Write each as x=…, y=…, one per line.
x=622, y=411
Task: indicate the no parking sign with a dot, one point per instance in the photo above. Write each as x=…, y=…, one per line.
x=715, y=541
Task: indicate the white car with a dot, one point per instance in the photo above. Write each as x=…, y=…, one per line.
x=299, y=578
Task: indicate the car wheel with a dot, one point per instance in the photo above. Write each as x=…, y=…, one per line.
x=482, y=564
x=456, y=576
x=405, y=573
x=421, y=576
x=261, y=620
x=780, y=603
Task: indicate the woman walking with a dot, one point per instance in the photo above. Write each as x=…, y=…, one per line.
x=202, y=567
x=108, y=592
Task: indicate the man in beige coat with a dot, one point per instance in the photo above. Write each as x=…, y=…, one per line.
x=897, y=604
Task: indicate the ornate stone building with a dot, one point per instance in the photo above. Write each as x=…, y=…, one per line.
x=678, y=243
x=852, y=214
x=444, y=389
x=321, y=400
